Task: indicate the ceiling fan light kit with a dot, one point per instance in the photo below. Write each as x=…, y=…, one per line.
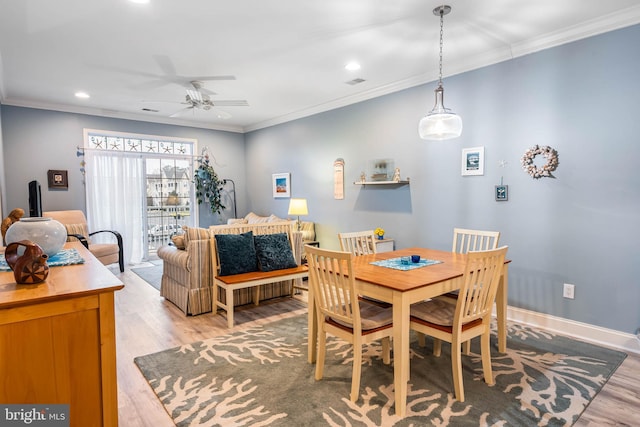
x=196, y=99
x=440, y=123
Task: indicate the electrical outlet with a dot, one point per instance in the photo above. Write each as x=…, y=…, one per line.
x=568, y=291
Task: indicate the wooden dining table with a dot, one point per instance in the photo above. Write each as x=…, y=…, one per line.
x=402, y=288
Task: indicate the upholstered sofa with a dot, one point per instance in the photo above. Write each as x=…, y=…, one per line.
x=306, y=227
x=187, y=276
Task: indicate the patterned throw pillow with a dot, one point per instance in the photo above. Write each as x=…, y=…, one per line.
x=236, y=253
x=274, y=252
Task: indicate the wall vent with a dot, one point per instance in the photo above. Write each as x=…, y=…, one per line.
x=151, y=110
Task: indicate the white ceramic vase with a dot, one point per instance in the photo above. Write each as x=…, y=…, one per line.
x=47, y=233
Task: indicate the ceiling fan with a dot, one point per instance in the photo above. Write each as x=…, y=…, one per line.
x=198, y=98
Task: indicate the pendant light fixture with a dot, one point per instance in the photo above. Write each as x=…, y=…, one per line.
x=440, y=123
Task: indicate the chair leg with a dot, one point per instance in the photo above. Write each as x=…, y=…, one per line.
x=456, y=367
x=437, y=347
x=421, y=340
x=320, y=355
x=386, y=350
x=466, y=347
x=486, y=357
x=357, y=371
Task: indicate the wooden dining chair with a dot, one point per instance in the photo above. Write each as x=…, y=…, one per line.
x=340, y=312
x=465, y=240
x=468, y=316
x=358, y=242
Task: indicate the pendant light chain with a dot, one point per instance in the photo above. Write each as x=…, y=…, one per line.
x=441, y=43
x=440, y=123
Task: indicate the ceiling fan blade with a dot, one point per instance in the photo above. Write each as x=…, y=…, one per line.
x=166, y=65
x=181, y=112
x=230, y=103
x=213, y=78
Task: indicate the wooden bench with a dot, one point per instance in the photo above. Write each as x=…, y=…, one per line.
x=254, y=279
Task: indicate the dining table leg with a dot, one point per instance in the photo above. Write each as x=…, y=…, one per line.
x=501, y=309
x=400, y=351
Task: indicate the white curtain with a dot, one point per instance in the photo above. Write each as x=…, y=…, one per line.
x=115, y=199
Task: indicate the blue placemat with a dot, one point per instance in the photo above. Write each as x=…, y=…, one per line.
x=64, y=257
x=396, y=263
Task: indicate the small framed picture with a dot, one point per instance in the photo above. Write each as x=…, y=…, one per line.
x=281, y=185
x=473, y=161
x=58, y=179
x=502, y=193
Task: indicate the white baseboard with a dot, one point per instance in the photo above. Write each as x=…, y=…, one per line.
x=583, y=331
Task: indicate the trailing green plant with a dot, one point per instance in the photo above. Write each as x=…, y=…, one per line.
x=208, y=186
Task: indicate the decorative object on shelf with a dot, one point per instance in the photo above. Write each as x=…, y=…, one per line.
x=396, y=175
x=30, y=266
x=379, y=232
x=208, y=186
x=58, y=179
x=538, y=172
x=473, y=161
x=281, y=185
x=338, y=179
x=47, y=233
x=381, y=169
x=440, y=123
x=363, y=177
x=298, y=207
x=14, y=216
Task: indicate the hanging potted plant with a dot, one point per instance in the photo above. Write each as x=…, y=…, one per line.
x=208, y=185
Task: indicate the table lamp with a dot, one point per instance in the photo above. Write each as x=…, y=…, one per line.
x=298, y=207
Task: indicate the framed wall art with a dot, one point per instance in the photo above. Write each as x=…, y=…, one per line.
x=281, y=185
x=473, y=161
x=58, y=179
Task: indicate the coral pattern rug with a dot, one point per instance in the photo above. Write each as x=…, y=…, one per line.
x=261, y=377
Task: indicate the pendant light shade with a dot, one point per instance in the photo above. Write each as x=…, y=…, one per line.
x=440, y=123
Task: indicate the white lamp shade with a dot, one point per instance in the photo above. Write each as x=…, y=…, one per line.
x=298, y=207
x=440, y=126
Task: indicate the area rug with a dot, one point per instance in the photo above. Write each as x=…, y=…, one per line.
x=261, y=377
x=152, y=274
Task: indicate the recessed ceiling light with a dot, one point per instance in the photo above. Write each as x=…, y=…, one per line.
x=352, y=66
x=83, y=95
x=140, y=1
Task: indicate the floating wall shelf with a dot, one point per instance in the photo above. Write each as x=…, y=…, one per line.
x=382, y=183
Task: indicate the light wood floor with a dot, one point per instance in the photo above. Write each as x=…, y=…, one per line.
x=146, y=323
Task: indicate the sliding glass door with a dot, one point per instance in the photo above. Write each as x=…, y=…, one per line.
x=139, y=185
x=169, y=200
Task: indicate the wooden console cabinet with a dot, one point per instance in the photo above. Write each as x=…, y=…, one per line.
x=57, y=341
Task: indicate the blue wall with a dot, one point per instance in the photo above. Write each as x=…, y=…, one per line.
x=580, y=227
x=39, y=140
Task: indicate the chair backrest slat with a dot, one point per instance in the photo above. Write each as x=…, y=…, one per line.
x=481, y=278
x=358, y=242
x=332, y=280
x=465, y=240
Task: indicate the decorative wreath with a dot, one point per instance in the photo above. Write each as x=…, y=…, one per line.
x=529, y=167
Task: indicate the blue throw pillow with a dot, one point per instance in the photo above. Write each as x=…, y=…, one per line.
x=236, y=253
x=274, y=252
